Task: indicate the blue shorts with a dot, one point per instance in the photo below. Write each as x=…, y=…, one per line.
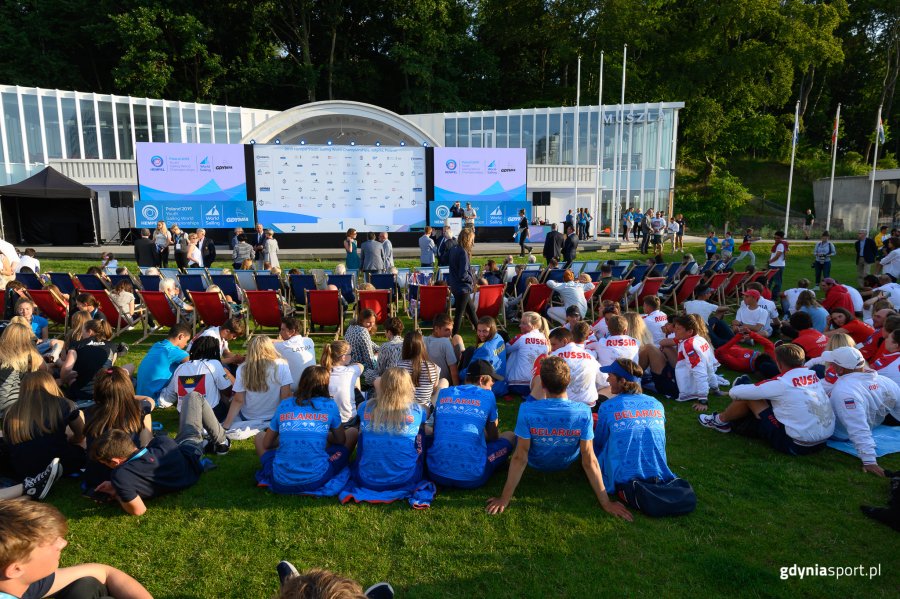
x=665, y=382
x=497, y=453
x=43, y=347
x=339, y=457
x=770, y=429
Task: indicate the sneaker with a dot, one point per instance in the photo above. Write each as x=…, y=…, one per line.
x=37, y=487
x=882, y=514
x=709, y=421
x=163, y=404
x=218, y=448
x=285, y=571
x=382, y=590
x=743, y=380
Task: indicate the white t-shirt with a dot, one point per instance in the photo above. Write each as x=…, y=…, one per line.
x=892, y=292
x=655, y=321
x=300, y=353
x=572, y=294
x=780, y=261
x=769, y=306
x=791, y=296
x=860, y=401
x=617, y=346
x=206, y=377
x=27, y=261
x=261, y=405
x=585, y=373
x=891, y=263
x=340, y=387
x=521, y=352
x=799, y=402
x=9, y=251
x=215, y=333
x=753, y=317
x=701, y=308
x=888, y=365
x=856, y=297
x=601, y=329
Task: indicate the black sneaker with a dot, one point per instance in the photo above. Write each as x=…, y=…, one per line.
x=285, y=571
x=742, y=380
x=882, y=514
x=38, y=486
x=382, y=590
x=218, y=448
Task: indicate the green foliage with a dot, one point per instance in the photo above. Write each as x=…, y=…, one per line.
x=721, y=200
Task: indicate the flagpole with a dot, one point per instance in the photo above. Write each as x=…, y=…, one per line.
x=598, y=226
x=878, y=129
x=794, y=137
x=834, y=139
x=621, y=141
x=575, y=138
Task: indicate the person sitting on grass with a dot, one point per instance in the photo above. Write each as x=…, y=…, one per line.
x=322, y=584
x=887, y=363
x=630, y=435
x=425, y=374
x=861, y=399
x=305, y=445
x=261, y=383
x=164, y=465
x=843, y=321
x=204, y=374
x=585, y=378
x=389, y=351
x=40, y=326
x=89, y=356
x=751, y=316
x=790, y=411
x=695, y=366
x=465, y=447
x=806, y=302
x=230, y=330
x=523, y=350
x=617, y=344
x=491, y=348
x=362, y=348
x=610, y=309
x=800, y=331
x=873, y=346
x=296, y=349
x=654, y=318
x=389, y=454
x=32, y=537
x=159, y=364
x=344, y=379
x=551, y=434
x=748, y=360
x=445, y=348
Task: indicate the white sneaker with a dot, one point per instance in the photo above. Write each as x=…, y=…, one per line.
x=163, y=404
x=38, y=486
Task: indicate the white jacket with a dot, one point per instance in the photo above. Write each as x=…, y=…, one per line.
x=586, y=377
x=695, y=370
x=521, y=353
x=655, y=321
x=611, y=348
x=799, y=402
x=860, y=401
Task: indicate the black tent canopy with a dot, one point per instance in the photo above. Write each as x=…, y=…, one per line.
x=50, y=209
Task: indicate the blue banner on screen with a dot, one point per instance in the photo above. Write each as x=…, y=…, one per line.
x=190, y=215
x=492, y=180
x=191, y=172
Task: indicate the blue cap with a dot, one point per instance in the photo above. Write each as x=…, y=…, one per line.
x=616, y=369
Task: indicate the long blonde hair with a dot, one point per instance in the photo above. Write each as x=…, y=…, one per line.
x=537, y=323
x=333, y=352
x=261, y=356
x=395, y=397
x=637, y=328
x=839, y=340
x=38, y=410
x=700, y=327
x=17, y=349
x=76, y=328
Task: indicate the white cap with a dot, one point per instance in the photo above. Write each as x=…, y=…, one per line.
x=845, y=357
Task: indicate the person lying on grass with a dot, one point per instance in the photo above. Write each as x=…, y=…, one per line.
x=551, y=434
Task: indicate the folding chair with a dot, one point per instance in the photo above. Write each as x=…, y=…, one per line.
x=588, y=295
x=344, y=283
x=30, y=280
x=116, y=279
x=591, y=266
x=671, y=271
x=246, y=279
x=299, y=285
x=228, y=285
x=195, y=271
x=268, y=282
x=433, y=300
x=637, y=273
x=386, y=281
x=170, y=273
x=379, y=301
x=63, y=281
x=618, y=271
x=211, y=308
x=555, y=274
x=52, y=306
x=576, y=268
x=443, y=273
x=651, y=287
x=707, y=266
x=158, y=308
x=265, y=309
x=537, y=298
x=730, y=264
x=150, y=282
x=510, y=273
x=116, y=318
x=490, y=302
x=414, y=281
x=683, y=291
x=323, y=309
x=595, y=276
x=192, y=282
x=732, y=287
x=615, y=291
x=717, y=280
x=91, y=282
x=758, y=275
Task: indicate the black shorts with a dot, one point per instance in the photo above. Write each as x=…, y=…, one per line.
x=665, y=382
x=769, y=428
x=657, y=240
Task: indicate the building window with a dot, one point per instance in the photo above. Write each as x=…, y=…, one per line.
x=234, y=127
x=220, y=127
x=584, y=127
x=554, y=139
x=70, y=124
x=51, y=126
x=462, y=133
x=141, y=127
x=173, y=116
x=515, y=132
x=540, y=136
x=13, y=128
x=475, y=131
x=450, y=133
x=502, y=139
x=488, y=135
x=157, y=124
x=528, y=138
x=568, y=138
x=89, y=129
x=33, y=128
x=205, y=126
x=123, y=128
x=107, y=130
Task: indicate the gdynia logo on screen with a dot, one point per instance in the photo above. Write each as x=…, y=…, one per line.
x=149, y=212
x=451, y=165
x=157, y=163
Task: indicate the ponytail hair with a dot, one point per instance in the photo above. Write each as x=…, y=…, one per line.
x=333, y=352
x=100, y=329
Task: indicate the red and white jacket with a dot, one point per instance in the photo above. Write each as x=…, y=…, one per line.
x=888, y=365
x=655, y=322
x=612, y=348
x=860, y=401
x=695, y=370
x=521, y=353
x=585, y=373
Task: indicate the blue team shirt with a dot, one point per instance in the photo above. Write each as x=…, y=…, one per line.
x=492, y=351
x=711, y=244
x=388, y=457
x=459, y=451
x=728, y=244
x=302, y=438
x=157, y=367
x=630, y=440
x=556, y=428
x=37, y=325
x=818, y=315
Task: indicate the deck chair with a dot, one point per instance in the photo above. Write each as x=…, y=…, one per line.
x=595, y=275
x=432, y=300
x=589, y=295
x=618, y=271
x=490, y=302
x=386, y=281
x=717, y=280
x=160, y=310
x=54, y=308
x=116, y=279
x=30, y=280
x=576, y=268
x=591, y=266
x=265, y=309
x=637, y=273
x=195, y=270
x=150, y=282
x=228, y=285
x=651, y=287
x=537, y=298
x=268, y=282
x=192, y=282
x=555, y=274
x=299, y=285
x=379, y=301
x=171, y=273
x=683, y=291
x=115, y=318
x=64, y=281
x=323, y=308
x=413, y=282
x=670, y=272
x=211, y=308
x=91, y=282
x=615, y=291
x=246, y=279
x=758, y=277
x=344, y=283
x=732, y=287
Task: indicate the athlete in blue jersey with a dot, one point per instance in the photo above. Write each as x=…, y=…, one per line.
x=491, y=349
x=389, y=455
x=630, y=437
x=551, y=433
x=305, y=445
x=466, y=448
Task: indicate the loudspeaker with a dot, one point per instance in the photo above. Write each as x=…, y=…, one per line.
x=540, y=198
x=121, y=199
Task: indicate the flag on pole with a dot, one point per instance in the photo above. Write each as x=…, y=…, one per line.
x=834, y=134
x=880, y=131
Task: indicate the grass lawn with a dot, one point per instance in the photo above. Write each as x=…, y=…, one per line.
x=758, y=511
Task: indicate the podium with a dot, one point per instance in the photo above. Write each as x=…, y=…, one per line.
x=455, y=224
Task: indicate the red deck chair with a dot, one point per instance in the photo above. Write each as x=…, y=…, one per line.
x=732, y=287
x=717, y=280
x=113, y=316
x=159, y=309
x=589, y=295
x=323, y=307
x=682, y=291
x=52, y=306
x=490, y=302
x=651, y=287
x=266, y=309
x=433, y=299
x=210, y=307
x=378, y=301
x=536, y=299
x=759, y=275
x=615, y=291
